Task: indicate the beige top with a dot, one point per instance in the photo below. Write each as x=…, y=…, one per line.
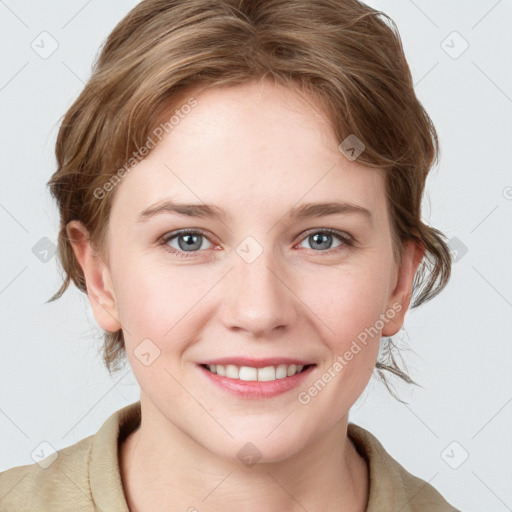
x=85, y=476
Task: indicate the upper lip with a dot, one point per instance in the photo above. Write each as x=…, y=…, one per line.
x=256, y=363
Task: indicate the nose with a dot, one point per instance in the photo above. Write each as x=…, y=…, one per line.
x=257, y=298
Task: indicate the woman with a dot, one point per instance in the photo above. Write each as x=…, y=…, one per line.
x=240, y=187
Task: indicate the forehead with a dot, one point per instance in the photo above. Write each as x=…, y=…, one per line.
x=262, y=144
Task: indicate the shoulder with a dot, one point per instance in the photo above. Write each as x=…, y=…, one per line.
x=82, y=477
x=58, y=482
x=392, y=487
x=421, y=495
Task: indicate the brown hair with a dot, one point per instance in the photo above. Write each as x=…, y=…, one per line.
x=345, y=55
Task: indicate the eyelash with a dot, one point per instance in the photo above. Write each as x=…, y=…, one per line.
x=348, y=240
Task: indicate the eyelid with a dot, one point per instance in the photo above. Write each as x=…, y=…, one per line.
x=173, y=234
x=342, y=235
x=346, y=239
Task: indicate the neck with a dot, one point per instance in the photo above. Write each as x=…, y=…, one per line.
x=166, y=470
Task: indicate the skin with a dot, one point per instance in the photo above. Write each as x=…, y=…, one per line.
x=256, y=151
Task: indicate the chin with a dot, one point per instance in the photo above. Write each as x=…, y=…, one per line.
x=253, y=447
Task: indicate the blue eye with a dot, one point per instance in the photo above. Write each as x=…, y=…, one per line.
x=190, y=242
x=322, y=239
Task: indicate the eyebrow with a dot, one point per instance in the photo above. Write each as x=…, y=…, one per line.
x=204, y=210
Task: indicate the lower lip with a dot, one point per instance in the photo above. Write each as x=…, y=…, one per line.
x=257, y=389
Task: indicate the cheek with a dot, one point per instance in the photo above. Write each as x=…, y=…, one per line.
x=347, y=303
x=347, y=300
x=161, y=302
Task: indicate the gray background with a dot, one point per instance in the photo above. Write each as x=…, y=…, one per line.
x=456, y=431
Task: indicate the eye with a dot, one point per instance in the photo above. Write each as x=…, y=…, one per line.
x=186, y=242
x=322, y=239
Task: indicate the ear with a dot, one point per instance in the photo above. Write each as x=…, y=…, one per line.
x=399, y=300
x=97, y=277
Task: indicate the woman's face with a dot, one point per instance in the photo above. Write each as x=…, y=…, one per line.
x=260, y=280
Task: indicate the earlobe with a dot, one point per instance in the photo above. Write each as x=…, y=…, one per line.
x=97, y=277
x=400, y=298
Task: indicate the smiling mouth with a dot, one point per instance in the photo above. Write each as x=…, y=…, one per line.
x=247, y=373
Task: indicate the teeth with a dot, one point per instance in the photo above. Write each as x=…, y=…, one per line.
x=245, y=373
x=255, y=374
x=232, y=371
x=264, y=374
